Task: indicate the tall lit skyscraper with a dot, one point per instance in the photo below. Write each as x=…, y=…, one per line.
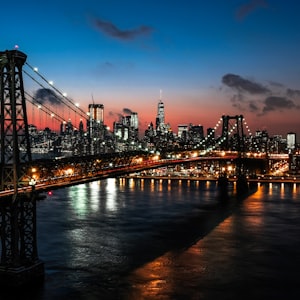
x=134, y=120
x=96, y=128
x=181, y=129
x=96, y=112
x=161, y=112
x=96, y=118
x=160, y=118
x=291, y=141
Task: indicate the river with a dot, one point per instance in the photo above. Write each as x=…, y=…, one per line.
x=156, y=239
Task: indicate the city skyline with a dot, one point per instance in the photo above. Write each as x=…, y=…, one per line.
x=209, y=59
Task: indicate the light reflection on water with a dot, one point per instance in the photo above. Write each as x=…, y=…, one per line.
x=94, y=187
x=149, y=235
x=111, y=194
x=239, y=259
x=79, y=195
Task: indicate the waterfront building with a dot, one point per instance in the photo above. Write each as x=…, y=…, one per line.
x=181, y=129
x=261, y=140
x=196, y=134
x=96, y=120
x=96, y=129
x=126, y=132
x=291, y=141
x=121, y=131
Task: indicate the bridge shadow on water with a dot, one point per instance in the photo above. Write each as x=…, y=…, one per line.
x=175, y=237
x=183, y=232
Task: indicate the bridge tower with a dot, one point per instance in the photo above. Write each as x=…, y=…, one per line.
x=233, y=129
x=233, y=124
x=19, y=263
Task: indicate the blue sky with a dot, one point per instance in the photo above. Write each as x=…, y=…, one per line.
x=209, y=58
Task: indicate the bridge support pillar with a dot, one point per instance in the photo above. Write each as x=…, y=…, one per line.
x=22, y=276
x=223, y=182
x=242, y=185
x=19, y=265
x=223, y=188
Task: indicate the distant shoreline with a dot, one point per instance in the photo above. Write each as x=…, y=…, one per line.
x=267, y=179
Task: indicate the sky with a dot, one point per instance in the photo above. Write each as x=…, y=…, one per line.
x=204, y=59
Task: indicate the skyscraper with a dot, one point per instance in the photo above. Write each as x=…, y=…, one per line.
x=160, y=118
x=160, y=126
x=291, y=141
x=134, y=121
x=161, y=112
x=96, y=127
x=96, y=112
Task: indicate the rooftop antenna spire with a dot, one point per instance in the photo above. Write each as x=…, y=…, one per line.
x=160, y=94
x=93, y=99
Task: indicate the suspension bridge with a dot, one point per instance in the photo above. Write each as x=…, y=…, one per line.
x=21, y=175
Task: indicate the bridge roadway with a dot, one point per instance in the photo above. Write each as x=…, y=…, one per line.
x=58, y=173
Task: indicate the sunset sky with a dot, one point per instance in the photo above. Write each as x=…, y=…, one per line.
x=209, y=58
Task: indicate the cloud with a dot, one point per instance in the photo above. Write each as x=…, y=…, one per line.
x=127, y=111
x=107, y=66
x=253, y=107
x=274, y=103
x=47, y=95
x=117, y=69
x=104, y=69
x=247, y=8
x=112, y=30
x=116, y=116
x=276, y=84
x=277, y=99
x=293, y=93
x=244, y=85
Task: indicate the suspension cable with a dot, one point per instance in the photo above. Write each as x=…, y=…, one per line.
x=74, y=107
x=44, y=108
x=59, y=99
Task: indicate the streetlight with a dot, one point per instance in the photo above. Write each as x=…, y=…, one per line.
x=32, y=183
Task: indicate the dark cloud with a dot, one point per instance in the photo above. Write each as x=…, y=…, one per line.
x=278, y=99
x=104, y=69
x=276, y=84
x=274, y=103
x=47, y=95
x=253, y=107
x=237, y=101
x=237, y=98
x=244, y=85
x=127, y=111
x=247, y=8
x=112, y=30
x=107, y=66
x=115, y=115
x=117, y=69
x=293, y=93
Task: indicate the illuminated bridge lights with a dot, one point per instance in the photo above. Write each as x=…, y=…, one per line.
x=75, y=170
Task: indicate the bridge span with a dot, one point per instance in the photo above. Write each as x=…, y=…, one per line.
x=43, y=175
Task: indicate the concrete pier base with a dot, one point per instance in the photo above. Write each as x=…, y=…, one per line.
x=22, y=276
x=242, y=185
x=223, y=183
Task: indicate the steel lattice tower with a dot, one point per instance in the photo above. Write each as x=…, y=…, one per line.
x=19, y=258
x=234, y=125
x=237, y=127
